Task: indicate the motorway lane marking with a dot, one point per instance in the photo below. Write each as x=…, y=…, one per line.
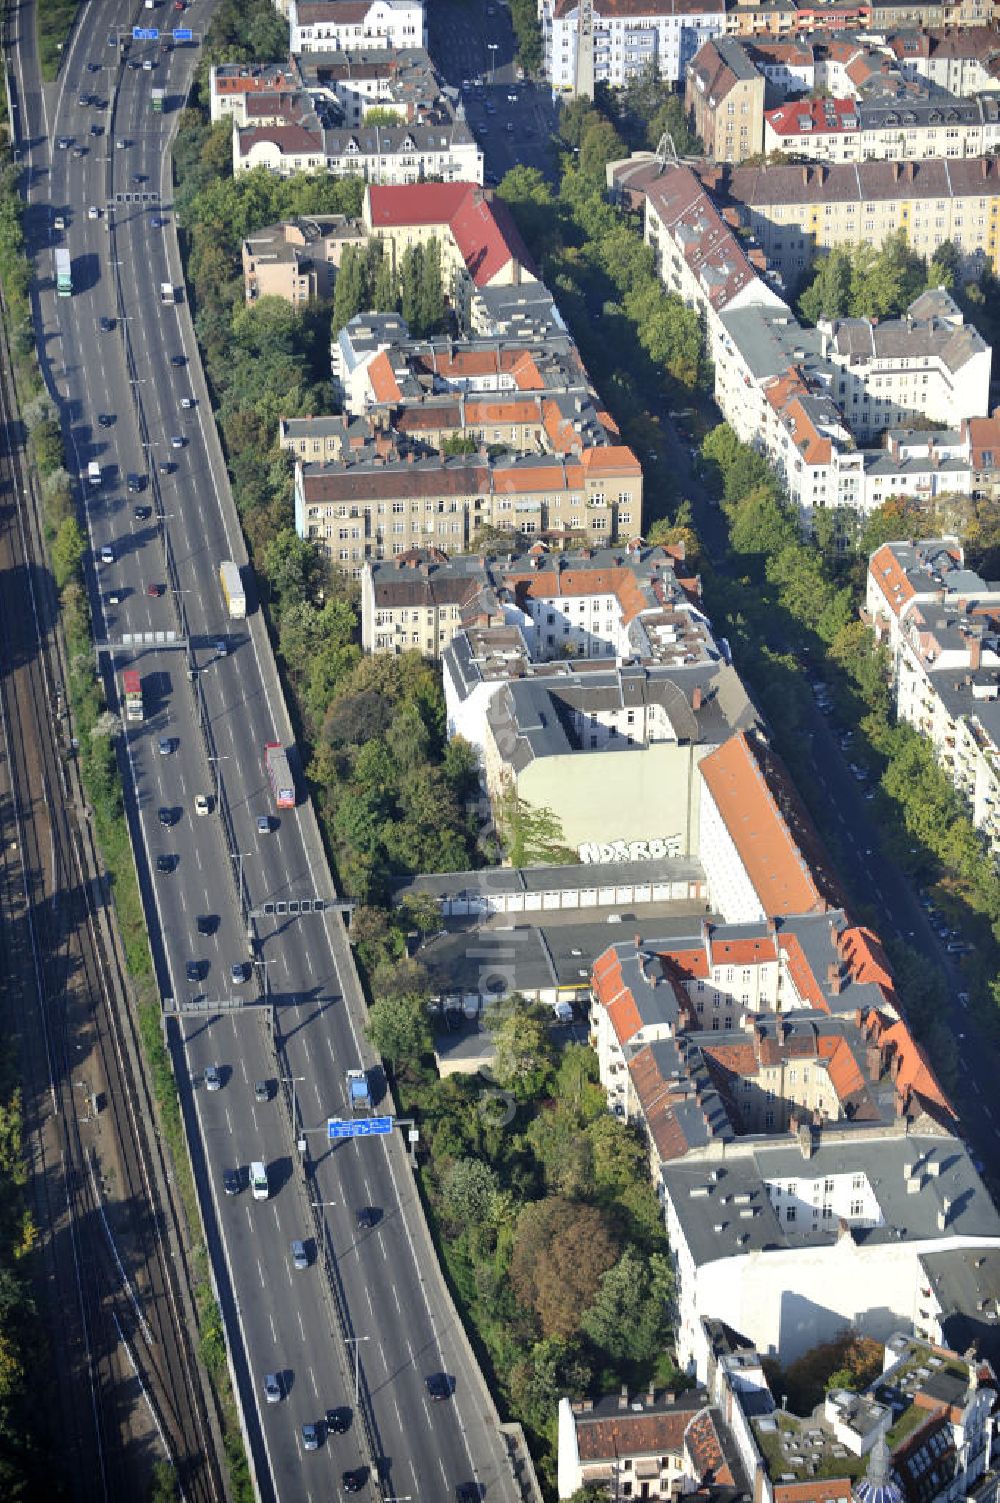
x=368, y=1297
x=302, y=1329
x=976, y=1087
x=395, y=1295
x=229, y=1122
x=274, y=1334
x=382, y=1245
x=260, y=1275
x=314, y=1384
x=197, y=857
x=444, y=1474
x=987, y=1111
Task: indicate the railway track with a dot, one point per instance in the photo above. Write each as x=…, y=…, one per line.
x=125, y=1372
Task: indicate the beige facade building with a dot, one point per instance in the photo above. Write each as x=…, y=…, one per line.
x=725, y=99
x=797, y=212
x=297, y=260
x=380, y=506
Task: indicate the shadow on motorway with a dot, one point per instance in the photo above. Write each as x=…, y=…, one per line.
x=227, y=1299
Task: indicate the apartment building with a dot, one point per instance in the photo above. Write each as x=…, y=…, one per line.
x=925, y=1429
x=725, y=99
x=697, y=255
x=351, y=25
x=605, y=603
x=806, y=397
x=982, y=438
x=629, y=37
x=759, y=848
x=419, y=601
x=380, y=505
x=964, y=60
x=803, y=1150
x=298, y=259
x=646, y=1445
x=480, y=244
x=612, y=750
x=857, y=130
x=436, y=143
x=941, y=623
x=378, y=368
x=231, y=85
x=354, y=82
x=929, y=363
x=782, y=18
x=797, y=212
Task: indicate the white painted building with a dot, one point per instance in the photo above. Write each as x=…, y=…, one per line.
x=789, y=1245
x=942, y=626
x=628, y=37
x=387, y=154
x=350, y=25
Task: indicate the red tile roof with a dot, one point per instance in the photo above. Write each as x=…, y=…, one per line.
x=777, y=869
x=822, y=117
x=393, y=206
x=615, y=997
x=705, y=1449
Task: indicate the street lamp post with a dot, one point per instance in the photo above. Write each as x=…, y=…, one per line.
x=356, y=1341
x=491, y=48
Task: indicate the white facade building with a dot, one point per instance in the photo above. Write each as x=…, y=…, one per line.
x=628, y=37
x=350, y=25
x=788, y=1251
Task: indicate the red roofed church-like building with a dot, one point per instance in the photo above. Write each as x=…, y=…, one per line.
x=477, y=235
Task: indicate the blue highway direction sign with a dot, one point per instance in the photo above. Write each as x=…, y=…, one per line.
x=145, y=34
x=364, y=1127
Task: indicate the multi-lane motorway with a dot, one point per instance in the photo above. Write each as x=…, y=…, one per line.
x=280, y=1319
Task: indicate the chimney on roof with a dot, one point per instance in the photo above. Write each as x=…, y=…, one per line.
x=804, y=1134
x=942, y=1217
x=623, y=1397
x=696, y=698
x=873, y=1061
x=834, y=978
x=975, y=653
x=772, y=927
x=638, y=941
x=651, y=1394
x=805, y=177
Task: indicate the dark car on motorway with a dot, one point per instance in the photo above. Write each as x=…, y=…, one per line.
x=338, y=1421
x=354, y=1480
x=106, y=324
x=178, y=360
x=231, y=1181
x=439, y=1386
x=165, y=863
x=194, y=970
x=166, y=817
x=367, y=1217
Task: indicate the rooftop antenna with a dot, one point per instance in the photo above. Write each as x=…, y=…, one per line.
x=666, y=152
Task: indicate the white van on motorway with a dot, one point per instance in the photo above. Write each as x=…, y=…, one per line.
x=258, y=1180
